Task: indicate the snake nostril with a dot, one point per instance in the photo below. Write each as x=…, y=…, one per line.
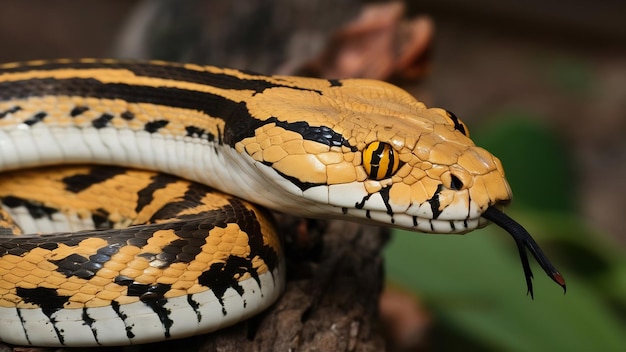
x=455, y=183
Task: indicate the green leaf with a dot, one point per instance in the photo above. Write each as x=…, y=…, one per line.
x=475, y=284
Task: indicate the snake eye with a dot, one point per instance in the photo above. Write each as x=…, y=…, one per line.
x=380, y=160
x=458, y=124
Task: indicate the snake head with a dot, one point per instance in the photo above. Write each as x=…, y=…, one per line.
x=369, y=151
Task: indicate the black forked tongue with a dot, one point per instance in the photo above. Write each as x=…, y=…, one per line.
x=524, y=241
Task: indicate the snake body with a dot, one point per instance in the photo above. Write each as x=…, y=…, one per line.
x=192, y=261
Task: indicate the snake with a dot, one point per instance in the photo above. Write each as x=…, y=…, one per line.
x=136, y=195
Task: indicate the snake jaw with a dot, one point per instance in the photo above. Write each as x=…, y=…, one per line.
x=524, y=241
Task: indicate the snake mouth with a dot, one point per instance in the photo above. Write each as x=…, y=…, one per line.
x=524, y=241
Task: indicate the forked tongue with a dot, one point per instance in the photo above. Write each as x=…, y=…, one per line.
x=524, y=241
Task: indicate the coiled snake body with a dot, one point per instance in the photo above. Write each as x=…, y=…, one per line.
x=173, y=258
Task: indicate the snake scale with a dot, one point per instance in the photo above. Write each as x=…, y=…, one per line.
x=111, y=232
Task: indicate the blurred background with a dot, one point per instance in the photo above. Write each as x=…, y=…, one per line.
x=540, y=84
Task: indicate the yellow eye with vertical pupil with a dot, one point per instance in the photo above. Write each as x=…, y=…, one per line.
x=380, y=160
